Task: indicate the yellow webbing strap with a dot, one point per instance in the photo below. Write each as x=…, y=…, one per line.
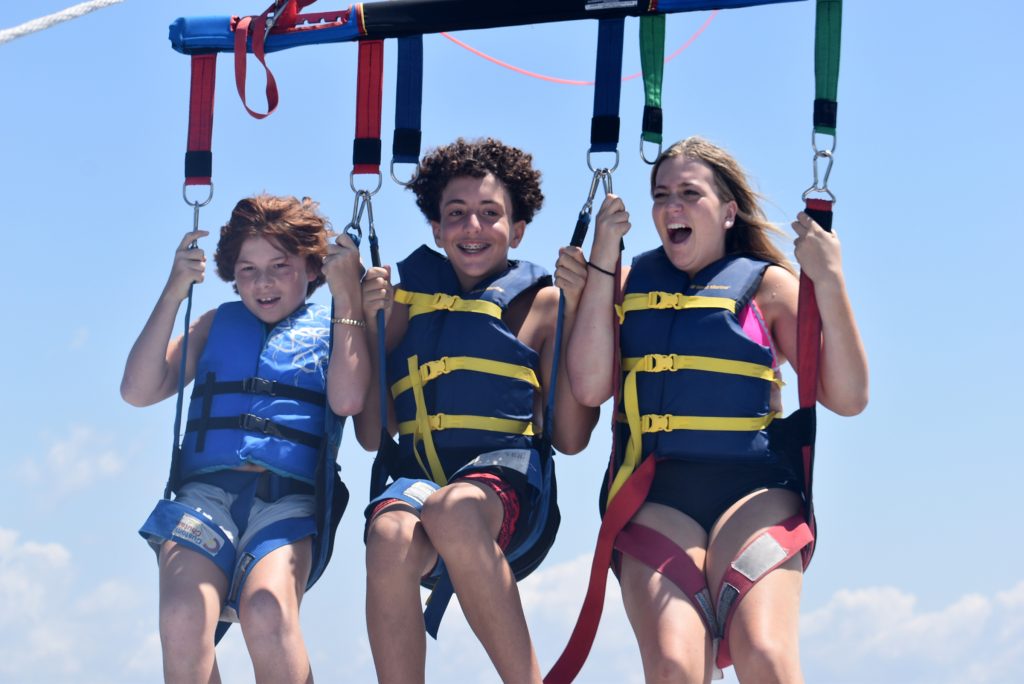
x=642, y=301
x=660, y=363
x=447, y=421
x=421, y=303
x=448, y=364
x=420, y=428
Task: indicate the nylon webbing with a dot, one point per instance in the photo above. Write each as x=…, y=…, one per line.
x=259, y=32
x=652, y=62
x=198, y=151
x=369, y=94
x=618, y=514
x=827, y=30
x=808, y=356
x=405, y=147
x=604, y=126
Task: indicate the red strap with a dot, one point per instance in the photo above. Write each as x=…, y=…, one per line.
x=369, y=96
x=198, y=154
x=792, y=534
x=664, y=556
x=808, y=354
x=620, y=511
x=259, y=31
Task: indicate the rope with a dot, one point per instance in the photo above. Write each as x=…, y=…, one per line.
x=49, y=20
x=565, y=81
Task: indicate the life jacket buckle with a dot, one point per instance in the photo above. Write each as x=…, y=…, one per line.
x=443, y=301
x=437, y=421
x=659, y=363
x=433, y=369
x=256, y=385
x=653, y=422
x=253, y=423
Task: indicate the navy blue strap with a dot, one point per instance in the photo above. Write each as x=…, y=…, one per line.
x=172, y=477
x=408, y=101
x=438, y=601
x=604, y=126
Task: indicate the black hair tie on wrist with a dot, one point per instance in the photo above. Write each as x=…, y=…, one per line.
x=594, y=266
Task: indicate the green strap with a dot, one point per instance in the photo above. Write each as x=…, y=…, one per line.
x=828, y=28
x=652, y=62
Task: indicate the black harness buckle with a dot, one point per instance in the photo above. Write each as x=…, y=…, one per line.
x=256, y=385
x=253, y=423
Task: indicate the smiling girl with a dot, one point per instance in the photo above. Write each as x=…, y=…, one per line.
x=707, y=319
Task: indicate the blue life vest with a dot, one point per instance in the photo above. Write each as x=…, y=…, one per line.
x=462, y=383
x=695, y=386
x=259, y=397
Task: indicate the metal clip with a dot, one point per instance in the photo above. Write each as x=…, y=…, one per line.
x=361, y=203
x=818, y=155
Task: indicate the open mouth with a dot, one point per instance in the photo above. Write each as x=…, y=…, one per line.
x=472, y=247
x=267, y=302
x=678, y=233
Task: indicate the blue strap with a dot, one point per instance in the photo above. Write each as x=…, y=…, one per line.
x=408, y=101
x=172, y=476
x=438, y=602
x=604, y=126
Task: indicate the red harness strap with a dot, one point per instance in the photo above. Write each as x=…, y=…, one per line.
x=259, y=33
x=664, y=556
x=620, y=511
x=369, y=95
x=198, y=153
x=766, y=552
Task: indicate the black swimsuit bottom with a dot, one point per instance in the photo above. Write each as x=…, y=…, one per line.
x=705, y=490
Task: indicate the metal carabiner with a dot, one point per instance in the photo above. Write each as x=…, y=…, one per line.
x=353, y=229
x=196, y=206
x=818, y=155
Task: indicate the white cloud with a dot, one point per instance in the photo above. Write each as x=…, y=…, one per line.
x=74, y=462
x=52, y=632
x=880, y=634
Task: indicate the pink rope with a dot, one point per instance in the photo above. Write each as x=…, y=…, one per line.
x=566, y=81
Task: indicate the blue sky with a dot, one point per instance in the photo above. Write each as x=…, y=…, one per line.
x=917, y=577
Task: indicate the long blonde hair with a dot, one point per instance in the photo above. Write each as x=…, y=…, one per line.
x=752, y=232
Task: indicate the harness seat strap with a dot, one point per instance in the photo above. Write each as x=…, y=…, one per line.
x=766, y=552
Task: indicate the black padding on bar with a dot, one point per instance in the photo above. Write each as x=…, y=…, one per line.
x=652, y=119
x=407, y=142
x=825, y=113
x=604, y=129
x=199, y=164
x=366, y=151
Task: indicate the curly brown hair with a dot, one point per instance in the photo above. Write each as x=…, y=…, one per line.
x=476, y=159
x=753, y=232
x=294, y=225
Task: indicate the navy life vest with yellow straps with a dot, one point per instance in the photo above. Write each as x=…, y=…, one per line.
x=259, y=397
x=462, y=383
x=695, y=386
